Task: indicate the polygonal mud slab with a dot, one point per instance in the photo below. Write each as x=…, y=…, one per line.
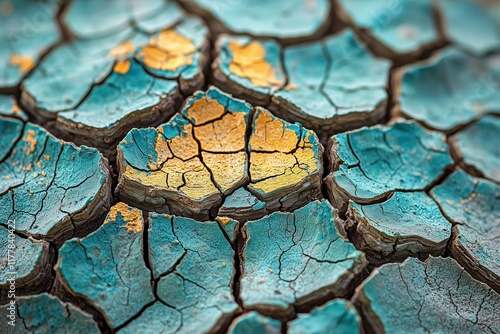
x=253, y=322
x=26, y=264
x=216, y=145
x=40, y=188
x=369, y=164
x=45, y=314
x=449, y=90
x=9, y=108
x=473, y=205
x=403, y=30
x=479, y=36
x=290, y=21
x=250, y=69
x=194, y=264
x=107, y=267
x=333, y=85
x=296, y=260
x=338, y=316
x=435, y=296
x=93, y=91
x=407, y=224
x=476, y=148
x=27, y=31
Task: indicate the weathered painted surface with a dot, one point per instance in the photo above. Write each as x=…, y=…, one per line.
x=242, y=205
x=407, y=224
x=371, y=163
x=296, y=260
x=450, y=90
x=436, y=296
x=47, y=314
x=11, y=130
x=202, y=154
x=192, y=263
x=42, y=190
x=26, y=264
x=9, y=108
x=479, y=36
x=122, y=75
x=27, y=31
x=253, y=322
x=477, y=150
x=250, y=69
x=107, y=267
x=401, y=30
x=473, y=204
x=287, y=20
x=333, y=85
x=337, y=316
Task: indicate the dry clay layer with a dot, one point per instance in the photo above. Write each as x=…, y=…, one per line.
x=213, y=147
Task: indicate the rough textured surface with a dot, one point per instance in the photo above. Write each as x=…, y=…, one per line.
x=94, y=90
x=297, y=260
x=335, y=85
x=9, y=108
x=369, y=164
x=40, y=188
x=473, y=205
x=433, y=296
x=27, y=31
x=250, y=69
x=253, y=322
x=449, y=90
x=480, y=35
x=263, y=18
x=107, y=267
x=192, y=263
x=402, y=30
x=407, y=224
x=476, y=148
x=338, y=316
x=214, y=146
x=25, y=261
x=47, y=314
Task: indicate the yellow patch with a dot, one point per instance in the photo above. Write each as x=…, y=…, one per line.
x=228, y=170
x=30, y=139
x=122, y=51
x=168, y=51
x=271, y=134
x=249, y=62
x=122, y=66
x=224, y=135
x=130, y=215
x=205, y=110
x=25, y=63
x=224, y=220
x=15, y=109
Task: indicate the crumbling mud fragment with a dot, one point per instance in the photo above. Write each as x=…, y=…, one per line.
x=296, y=260
x=107, y=267
x=40, y=189
x=369, y=164
x=26, y=265
x=192, y=265
x=120, y=75
x=432, y=296
x=214, y=146
x=337, y=316
x=407, y=224
x=253, y=322
x=449, y=90
x=402, y=31
x=290, y=21
x=473, y=205
x=27, y=31
x=46, y=314
x=250, y=69
x=476, y=148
